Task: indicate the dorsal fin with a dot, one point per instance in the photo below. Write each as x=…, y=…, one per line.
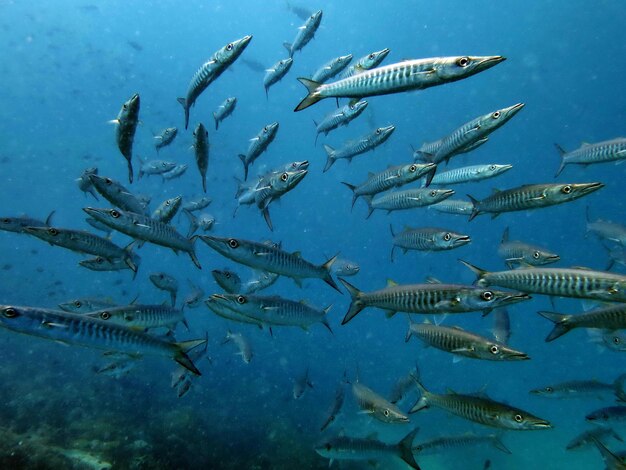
x=391, y=283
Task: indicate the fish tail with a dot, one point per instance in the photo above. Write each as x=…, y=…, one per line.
x=288, y=46
x=217, y=122
x=242, y=157
x=619, y=387
x=356, y=305
x=409, y=332
x=561, y=153
x=325, y=320
x=192, y=252
x=505, y=236
x=328, y=279
x=429, y=176
x=561, y=324
x=475, y=210
x=204, y=183
x=405, y=449
x=352, y=188
x=193, y=226
x=268, y=219
x=183, y=102
x=498, y=444
x=423, y=400
x=181, y=354
x=313, y=96
x=480, y=273
x=130, y=171
x=370, y=208
x=330, y=157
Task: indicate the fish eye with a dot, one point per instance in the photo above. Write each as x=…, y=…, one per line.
x=167, y=203
x=229, y=47
x=99, y=259
x=413, y=168
x=284, y=177
x=566, y=189
x=371, y=56
x=227, y=275
x=418, y=448
x=6, y=221
x=265, y=130
x=233, y=243
x=536, y=255
x=487, y=295
x=447, y=237
x=115, y=214
x=78, y=304
x=352, y=106
x=378, y=131
x=10, y=312
x=463, y=62
x=328, y=446
x=496, y=115
x=52, y=231
x=494, y=349
x=105, y=315
x=386, y=412
x=433, y=193
x=108, y=181
x=548, y=389
x=518, y=418
x=241, y=299
x=124, y=106
x=492, y=167
x=616, y=340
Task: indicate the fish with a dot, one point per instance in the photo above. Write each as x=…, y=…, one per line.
x=445, y=444
x=615, y=340
x=117, y=194
x=375, y=405
x=203, y=221
x=339, y=117
x=406, y=199
x=224, y=110
x=427, y=239
x=392, y=177
x=531, y=196
x=607, y=415
x=242, y=343
x=144, y=228
x=126, y=125
x=453, y=206
x=353, y=148
x=21, y=223
x=100, y=263
x=84, y=242
x=404, y=385
x=516, y=253
x=394, y=78
x=273, y=188
x=182, y=380
x=463, y=343
x=343, y=267
x=607, y=230
x=611, y=460
x=300, y=385
x=261, y=280
x=350, y=448
x=168, y=209
x=176, y=172
x=331, y=68
x=167, y=283
x=276, y=73
x=201, y=150
x=563, y=282
x=501, y=325
x=481, y=410
x=155, y=167
x=211, y=70
x=472, y=134
x=227, y=280
x=165, y=138
x=582, y=389
x=367, y=62
x=470, y=174
x=197, y=204
x=99, y=226
x=428, y=298
x=586, y=438
x=613, y=150
x=335, y=407
x=262, y=256
x=258, y=145
x=608, y=318
x=192, y=300
x=218, y=307
x=84, y=183
x=71, y=328
x=306, y=32
x=140, y=317
x=85, y=305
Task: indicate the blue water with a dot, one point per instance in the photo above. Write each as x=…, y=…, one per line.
x=67, y=67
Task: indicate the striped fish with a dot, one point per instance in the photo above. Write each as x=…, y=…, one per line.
x=339, y=117
x=276, y=73
x=165, y=138
x=201, y=150
x=531, y=196
x=140, y=317
x=444, y=444
x=470, y=174
x=305, y=33
x=606, y=318
x=117, y=194
x=407, y=199
x=516, y=253
x=453, y=206
x=168, y=209
x=331, y=68
x=258, y=145
x=427, y=239
x=607, y=151
x=367, y=62
x=224, y=110
x=210, y=70
x=82, y=330
x=126, y=125
x=144, y=228
x=394, y=78
x=376, y=406
x=19, y=224
x=352, y=149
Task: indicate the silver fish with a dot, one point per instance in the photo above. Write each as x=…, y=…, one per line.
x=373, y=404
x=339, y=117
x=100, y=263
x=331, y=68
x=126, y=125
x=84, y=183
x=273, y=188
x=203, y=221
x=211, y=70
x=305, y=33
x=242, y=343
x=406, y=199
x=85, y=305
x=427, y=239
x=224, y=110
x=367, y=62
x=394, y=78
x=165, y=282
x=276, y=73
x=586, y=438
x=168, y=209
x=261, y=280
x=140, y=317
x=197, y=204
x=608, y=151
x=582, y=389
x=453, y=206
x=470, y=174
x=609, y=318
x=176, y=172
x=352, y=149
x=343, y=267
x=19, y=224
x=608, y=230
x=155, y=167
x=165, y=137
x=516, y=253
x=227, y=280
x=201, y=150
x=117, y=194
x=258, y=145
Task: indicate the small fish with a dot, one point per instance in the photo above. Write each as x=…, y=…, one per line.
x=167, y=283
x=608, y=151
x=197, y=204
x=168, y=209
x=406, y=199
x=261, y=280
x=119, y=367
x=376, y=406
x=470, y=174
x=204, y=222
x=126, y=125
x=445, y=444
x=586, y=438
x=165, y=137
x=305, y=33
x=300, y=385
x=427, y=239
x=227, y=280
x=155, y=167
x=352, y=149
x=335, y=407
x=258, y=145
x=339, y=117
x=117, y=194
x=100, y=263
x=516, y=253
x=273, y=188
x=224, y=110
x=176, y=172
x=582, y=389
x=242, y=343
x=331, y=68
x=276, y=73
x=343, y=267
x=201, y=148
x=84, y=183
x=85, y=305
x=608, y=415
x=367, y=62
x=192, y=300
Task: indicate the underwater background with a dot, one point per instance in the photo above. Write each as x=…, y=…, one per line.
x=66, y=68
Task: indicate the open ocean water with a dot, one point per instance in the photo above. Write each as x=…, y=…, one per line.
x=67, y=67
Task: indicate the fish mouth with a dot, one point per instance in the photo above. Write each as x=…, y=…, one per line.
x=462, y=240
x=541, y=424
x=553, y=258
x=512, y=110
x=489, y=61
x=586, y=188
x=517, y=356
x=388, y=129
x=243, y=42
x=515, y=297
x=217, y=297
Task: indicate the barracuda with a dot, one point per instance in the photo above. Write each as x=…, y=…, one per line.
x=481, y=410
x=126, y=125
x=117, y=194
x=276, y=73
x=392, y=177
x=140, y=317
x=469, y=174
x=564, y=282
x=331, y=68
x=165, y=138
x=19, y=224
x=168, y=209
x=523, y=254
x=305, y=33
x=334, y=410
x=147, y=229
x=398, y=77
x=242, y=344
x=427, y=239
x=366, y=62
x=531, y=196
x=211, y=70
x=608, y=151
x=376, y=406
x=453, y=206
x=407, y=199
x=81, y=330
x=273, y=188
x=352, y=149
x=218, y=308
x=258, y=145
x=271, y=258
x=224, y=110
x=445, y=444
x=582, y=389
x=339, y=117
x=428, y=298
x=606, y=318
x=201, y=150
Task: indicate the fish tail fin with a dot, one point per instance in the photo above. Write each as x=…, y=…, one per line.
x=313, y=96
x=505, y=236
x=268, y=219
x=193, y=224
x=480, y=273
x=562, y=152
x=192, y=252
x=128, y=251
x=409, y=332
x=288, y=46
x=405, y=449
x=352, y=188
x=130, y=172
x=242, y=157
x=204, y=183
x=423, y=400
x=370, y=209
x=475, y=210
x=181, y=354
x=618, y=384
x=356, y=304
x=330, y=157
x=217, y=122
x=423, y=156
x=328, y=279
x=183, y=102
x=326, y=324
x=561, y=324
x=429, y=177
x=498, y=444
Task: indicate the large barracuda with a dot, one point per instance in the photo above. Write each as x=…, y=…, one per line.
x=392, y=177
x=305, y=33
x=19, y=224
x=394, y=78
x=531, y=196
x=565, y=282
x=82, y=330
x=354, y=148
x=140, y=317
x=429, y=298
x=258, y=145
x=606, y=318
x=481, y=410
x=472, y=134
x=126, y=125
x=271, y=258
x=210, y=70
x=470, y=174
x=144, y=228
x=608, y=151
x=84, y=242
